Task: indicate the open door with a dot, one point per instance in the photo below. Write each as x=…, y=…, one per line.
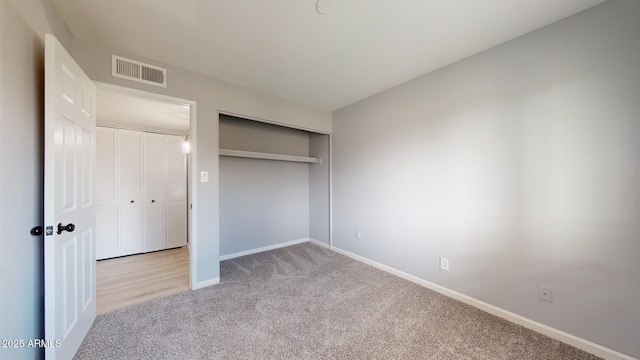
x=69, y=211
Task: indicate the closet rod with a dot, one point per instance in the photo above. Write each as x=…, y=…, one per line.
x=267, y=156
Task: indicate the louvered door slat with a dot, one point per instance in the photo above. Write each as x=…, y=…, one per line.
x=129, y=166
x=176, y=193
x=106, y=199
x=155, y=237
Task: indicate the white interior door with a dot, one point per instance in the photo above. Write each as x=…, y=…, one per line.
x=69, y=244
x=155, y=206
x=129, y=164
x=176, y=192
x=106, y=194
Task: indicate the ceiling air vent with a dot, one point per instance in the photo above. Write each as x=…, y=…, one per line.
x=137, y=71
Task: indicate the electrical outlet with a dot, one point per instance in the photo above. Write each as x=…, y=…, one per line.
x=544, y=293
x=444, y=264
x=358, y=235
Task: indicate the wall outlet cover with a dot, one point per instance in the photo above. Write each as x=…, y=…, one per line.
x=544, y=293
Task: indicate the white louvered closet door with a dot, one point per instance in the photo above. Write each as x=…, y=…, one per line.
x=106, y=199
x=129, y=160
x=155, y=204
x=176, y=192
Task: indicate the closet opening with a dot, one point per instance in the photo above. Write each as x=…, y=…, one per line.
x=142, y=197
x=274, y=186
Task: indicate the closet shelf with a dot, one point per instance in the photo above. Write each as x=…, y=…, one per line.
x=267, y=156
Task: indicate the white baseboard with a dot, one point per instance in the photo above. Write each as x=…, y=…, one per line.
x=319, y=243
x=562, y=336
x=262, y=249
x=202, y=284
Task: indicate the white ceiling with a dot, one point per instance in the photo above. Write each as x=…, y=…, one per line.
x=286, y=48
x=132, y=111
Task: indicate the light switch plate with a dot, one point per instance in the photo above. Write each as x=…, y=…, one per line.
x=444, y=264
x=204, y=176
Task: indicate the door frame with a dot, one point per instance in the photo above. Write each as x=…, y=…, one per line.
x=191, y=167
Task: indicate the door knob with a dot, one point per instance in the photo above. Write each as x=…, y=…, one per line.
x=69, y=228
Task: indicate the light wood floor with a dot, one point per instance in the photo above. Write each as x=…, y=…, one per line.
x=135, y=279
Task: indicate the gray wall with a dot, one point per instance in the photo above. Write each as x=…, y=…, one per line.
x=262, y=202
x=519, y=164
x=212, y=96
x=248, y=135
x=319, y=204
x=22, y=28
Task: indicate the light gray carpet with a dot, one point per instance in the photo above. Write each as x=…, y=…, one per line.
x=306, y=302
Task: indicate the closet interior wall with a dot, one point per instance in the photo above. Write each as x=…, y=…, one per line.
x=264, y=202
